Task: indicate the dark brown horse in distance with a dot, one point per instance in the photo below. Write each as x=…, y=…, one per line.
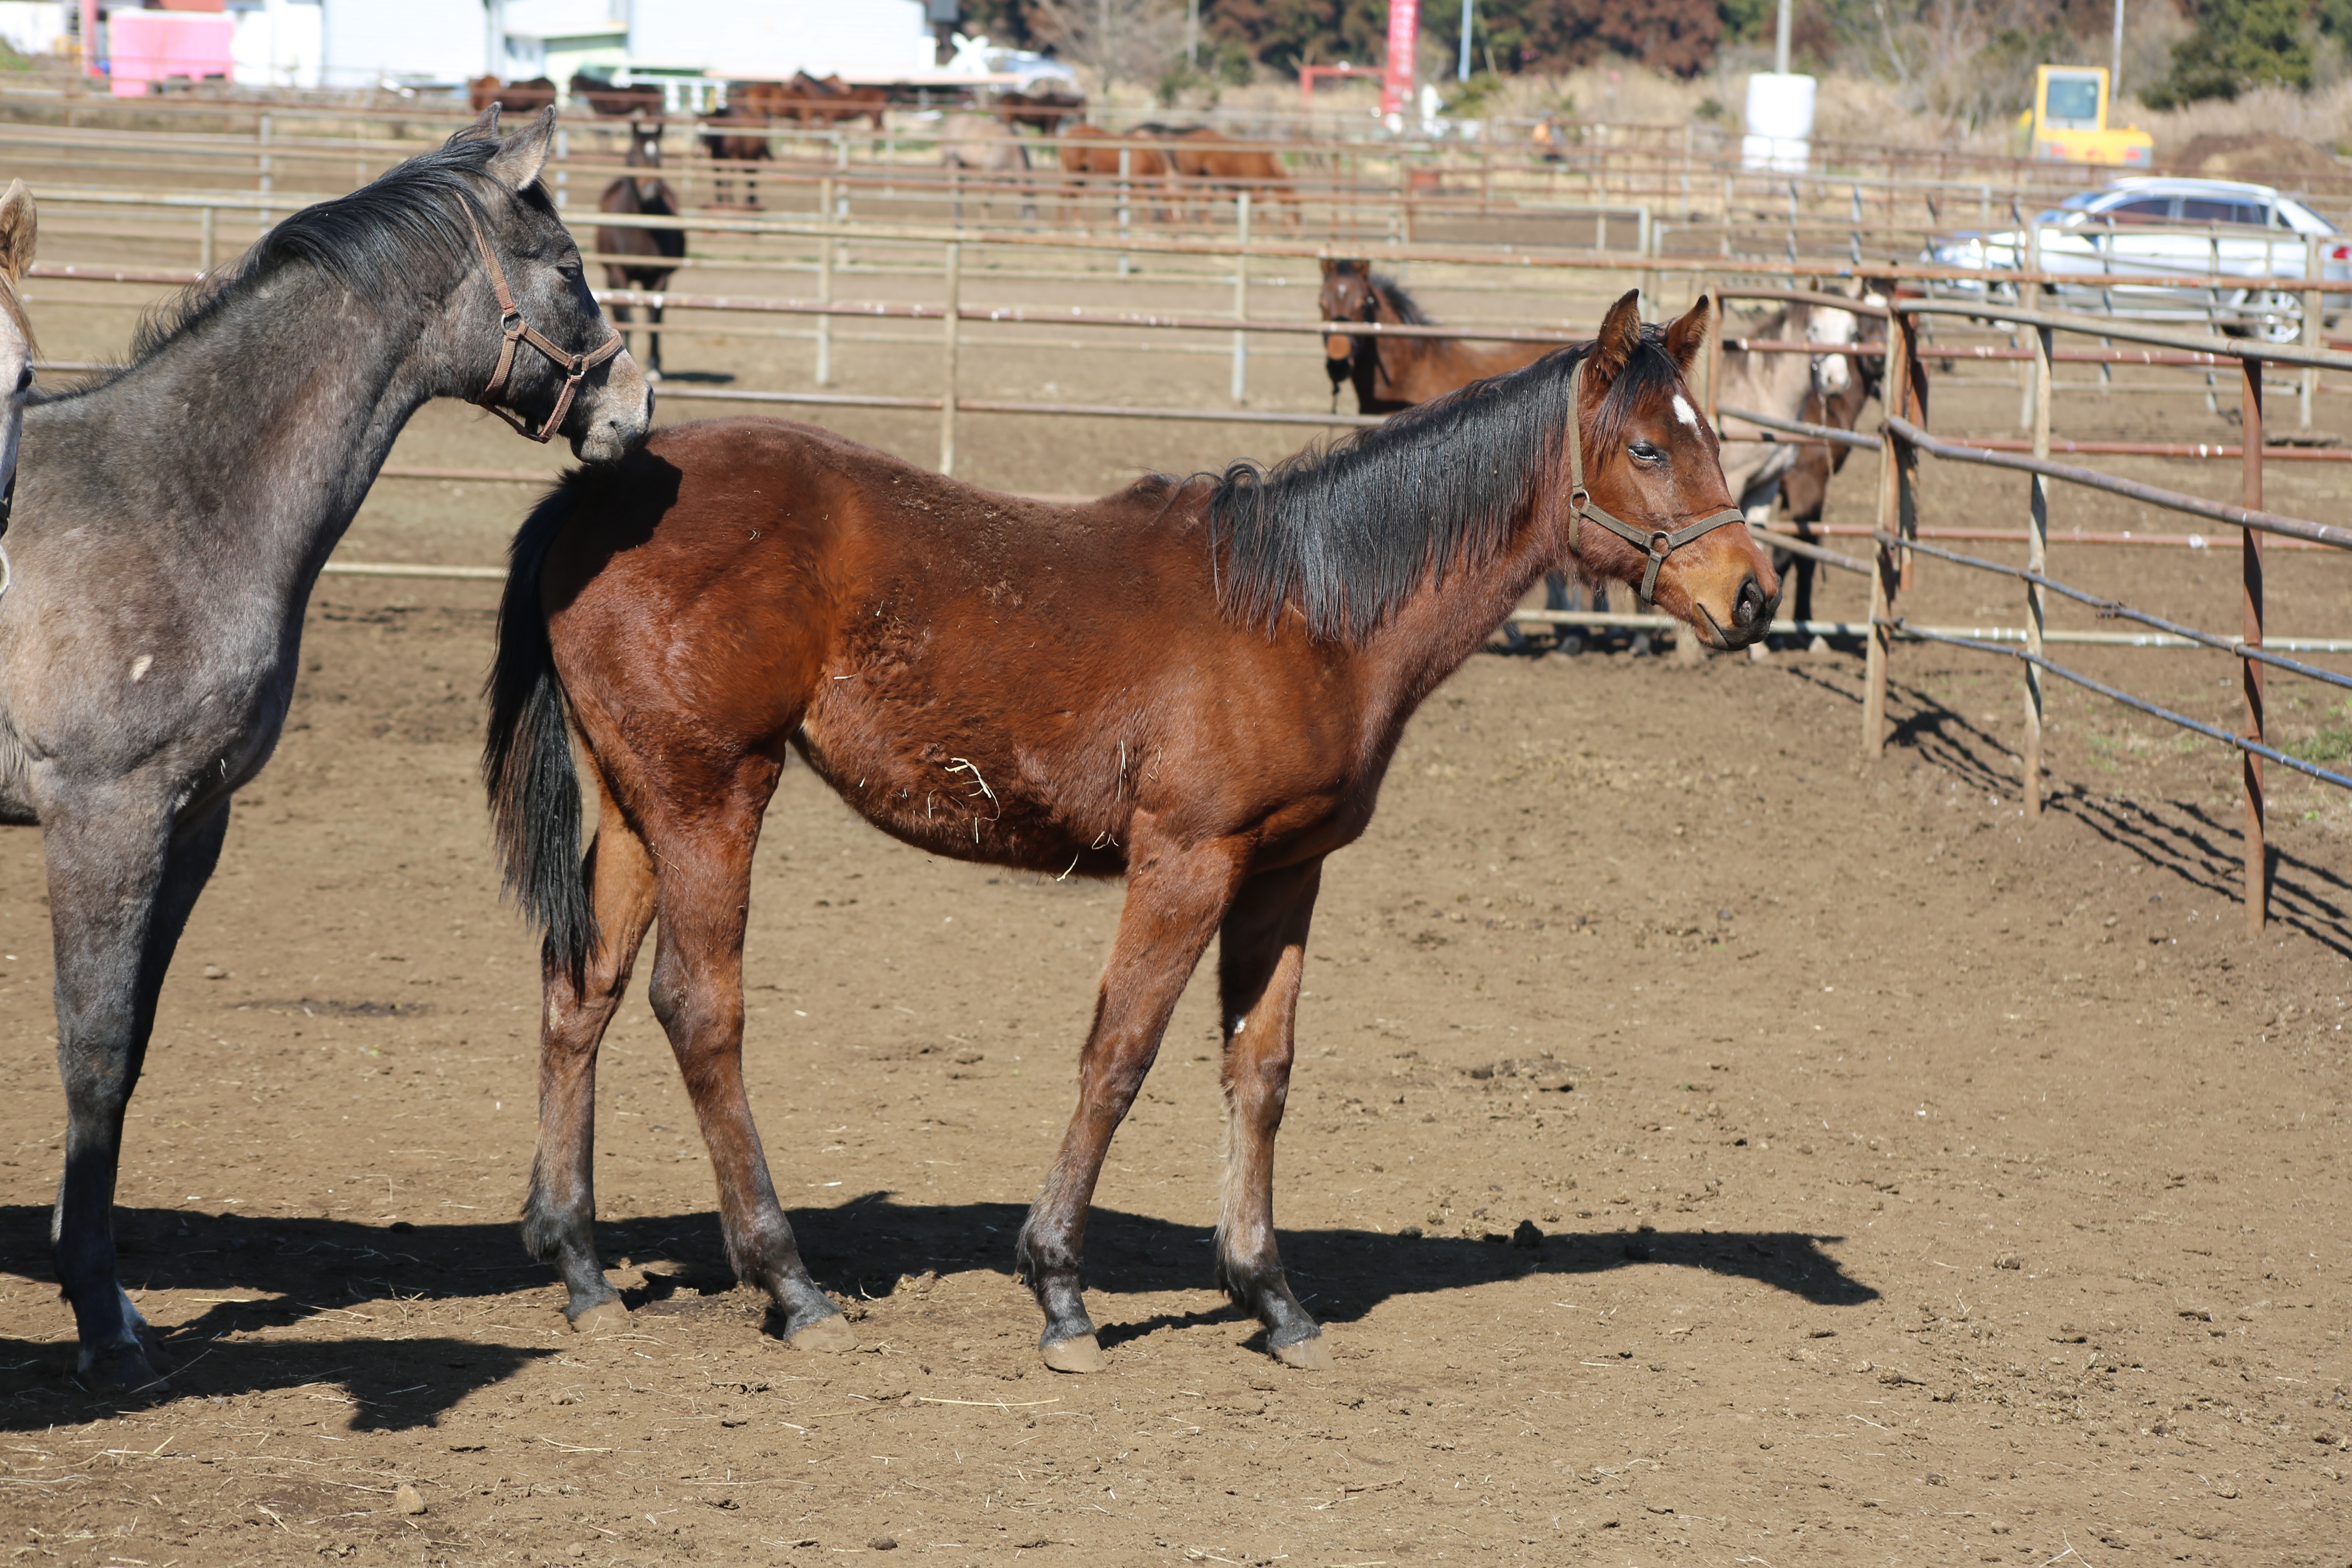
x=1043, y=112
x=640, y=102
x=650, y=195
x=1197, y=683
x=1208, y=162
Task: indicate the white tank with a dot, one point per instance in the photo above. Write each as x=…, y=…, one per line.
x=1780, y=123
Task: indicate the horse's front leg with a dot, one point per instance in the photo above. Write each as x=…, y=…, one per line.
x=1262, y=955
x=121, y=884
x=1175, y=897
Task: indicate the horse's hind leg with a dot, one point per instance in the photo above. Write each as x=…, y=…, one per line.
x=1262, y=956
x=559, y=1223
x=697, y=994
x=121, y=884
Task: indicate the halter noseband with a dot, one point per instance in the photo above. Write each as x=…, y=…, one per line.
x=520, y=331
x=1659, y=542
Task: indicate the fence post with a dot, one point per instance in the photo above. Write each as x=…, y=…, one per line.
x=1714, y=350
x=1894, y=503
x=825, y=282
x=205, y=241
x=262, y=180
x=2309, y=334
x=1241, y=297
x=2249, y=433
x=949, y=339
x=2037, y=560
x=1126, y=162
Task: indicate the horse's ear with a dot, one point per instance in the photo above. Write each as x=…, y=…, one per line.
x=485, y=128
x=19, y=222
x=518, y=158
x=1620, y=336
x=1687, y=337
x=1329, y=266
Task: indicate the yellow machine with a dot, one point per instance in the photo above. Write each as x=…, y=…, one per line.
x=2068, y=121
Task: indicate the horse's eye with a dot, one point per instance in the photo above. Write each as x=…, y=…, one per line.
x=24, y=381
x=1643, y=452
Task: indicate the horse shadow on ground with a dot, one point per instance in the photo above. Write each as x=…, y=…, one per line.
x=376, y=1282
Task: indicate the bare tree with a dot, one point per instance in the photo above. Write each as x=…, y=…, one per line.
x=1131, y=41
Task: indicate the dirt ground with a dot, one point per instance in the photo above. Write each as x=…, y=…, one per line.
x=1706, y=1146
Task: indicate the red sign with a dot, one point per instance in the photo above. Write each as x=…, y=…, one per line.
x=1404, y=33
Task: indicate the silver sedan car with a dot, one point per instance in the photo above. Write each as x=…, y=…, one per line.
x=2169, y=249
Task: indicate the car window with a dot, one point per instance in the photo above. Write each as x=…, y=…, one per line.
x=2209, y=209
x=2145, y=210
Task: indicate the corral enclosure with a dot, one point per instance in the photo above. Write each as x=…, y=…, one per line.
x=1705, y=1144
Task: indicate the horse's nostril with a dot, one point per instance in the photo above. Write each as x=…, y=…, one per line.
x=1749, y=603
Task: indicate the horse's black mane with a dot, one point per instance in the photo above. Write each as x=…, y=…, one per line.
x=1400, y=300
x=405, y=226
x=1347, y=532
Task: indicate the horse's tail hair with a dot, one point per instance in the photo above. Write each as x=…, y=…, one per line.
x=526, y=760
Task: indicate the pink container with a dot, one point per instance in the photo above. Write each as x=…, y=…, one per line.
x=144, y=47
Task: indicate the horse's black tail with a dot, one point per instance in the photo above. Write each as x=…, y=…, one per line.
x=526, y=760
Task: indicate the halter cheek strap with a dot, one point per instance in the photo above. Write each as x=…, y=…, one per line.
x=1659, y=542
x=518, y=331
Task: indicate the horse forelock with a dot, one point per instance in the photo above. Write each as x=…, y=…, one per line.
x=13, y=307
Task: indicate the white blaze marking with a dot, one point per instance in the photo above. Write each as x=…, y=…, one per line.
x=1684, y=412
x=139, y=666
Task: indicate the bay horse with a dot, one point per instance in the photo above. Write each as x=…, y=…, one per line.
x=648, y=194
x=1209, y=162
x=757, y=104
x=171, y=518
x=1195, y=682
x=1391, y=374
x=1085, y=160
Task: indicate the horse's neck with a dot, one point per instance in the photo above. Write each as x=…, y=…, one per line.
x=298, y=389
x=1436, y=631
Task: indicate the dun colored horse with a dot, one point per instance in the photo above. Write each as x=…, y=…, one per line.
x=171, y=518
x=19, y=228
x=648, y=194
x=1804, y=488
x=1197, y=683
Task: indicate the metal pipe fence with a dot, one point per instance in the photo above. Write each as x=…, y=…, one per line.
x=1905, y=439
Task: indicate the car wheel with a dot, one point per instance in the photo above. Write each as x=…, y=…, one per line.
x=2270, y=314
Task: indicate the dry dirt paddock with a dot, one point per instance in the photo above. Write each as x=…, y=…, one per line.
x=1706, y=1146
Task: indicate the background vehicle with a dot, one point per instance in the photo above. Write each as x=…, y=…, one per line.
x=2168, y=248
x=2068, y=121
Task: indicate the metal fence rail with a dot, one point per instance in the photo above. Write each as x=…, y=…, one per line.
x=1905, y=439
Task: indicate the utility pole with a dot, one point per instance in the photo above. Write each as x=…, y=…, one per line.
x=1780, y=40
x=1462, y=68
x=2116, y=58
x=1192, y=33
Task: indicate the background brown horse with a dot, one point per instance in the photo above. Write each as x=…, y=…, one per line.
x=1390, y=373
x=1209, y=162
x=1086, y=160
x=648, y=194
x=1198, y=683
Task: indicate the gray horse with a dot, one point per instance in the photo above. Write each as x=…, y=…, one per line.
x=171, y=518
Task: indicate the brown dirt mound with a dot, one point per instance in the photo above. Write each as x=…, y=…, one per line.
x=2257, y=156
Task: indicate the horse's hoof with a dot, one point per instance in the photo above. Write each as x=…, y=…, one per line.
x=1307, y=1355
x=604, y=1318
x=119, y=1370
x=1079, y=1352
x=829, y=1334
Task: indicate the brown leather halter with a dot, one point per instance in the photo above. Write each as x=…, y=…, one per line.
x=1659, y=542
x=518, y=331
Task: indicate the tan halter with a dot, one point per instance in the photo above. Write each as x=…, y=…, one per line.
x=1659, y=542
x=518, y=331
